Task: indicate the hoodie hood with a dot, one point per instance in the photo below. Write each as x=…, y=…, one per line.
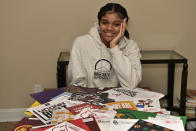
x=94, y=33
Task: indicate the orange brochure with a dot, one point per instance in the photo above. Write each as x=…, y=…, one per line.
x=122, y=105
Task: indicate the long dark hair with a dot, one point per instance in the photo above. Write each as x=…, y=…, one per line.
x=116, y=8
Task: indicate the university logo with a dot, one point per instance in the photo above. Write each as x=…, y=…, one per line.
x=102, y=69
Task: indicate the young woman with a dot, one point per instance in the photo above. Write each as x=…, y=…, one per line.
x=106, y=57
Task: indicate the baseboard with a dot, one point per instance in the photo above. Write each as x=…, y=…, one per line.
x=13, y=114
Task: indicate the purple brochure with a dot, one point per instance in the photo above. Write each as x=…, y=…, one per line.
x=45, y=96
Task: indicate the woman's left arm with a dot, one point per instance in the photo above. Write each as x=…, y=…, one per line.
x=127, y=65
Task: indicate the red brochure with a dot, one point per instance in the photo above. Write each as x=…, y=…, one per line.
x=78, y=108
x=80, y=123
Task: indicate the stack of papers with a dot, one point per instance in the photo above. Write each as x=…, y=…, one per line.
x=107, y=109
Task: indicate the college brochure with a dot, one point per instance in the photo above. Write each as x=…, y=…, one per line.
x=65, y=126
x=44, y=111
x=92, y=98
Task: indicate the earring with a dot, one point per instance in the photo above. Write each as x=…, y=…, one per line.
x=98, y=28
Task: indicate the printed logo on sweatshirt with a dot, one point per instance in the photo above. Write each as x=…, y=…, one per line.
x=102, y=69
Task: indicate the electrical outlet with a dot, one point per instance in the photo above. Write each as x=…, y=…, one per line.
x=37, y=88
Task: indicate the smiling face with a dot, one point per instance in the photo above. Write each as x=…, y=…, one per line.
x=109, y=27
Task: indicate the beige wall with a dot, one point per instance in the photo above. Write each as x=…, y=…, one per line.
x=33, y=32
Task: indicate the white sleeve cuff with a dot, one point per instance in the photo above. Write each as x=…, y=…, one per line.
x=114, y=50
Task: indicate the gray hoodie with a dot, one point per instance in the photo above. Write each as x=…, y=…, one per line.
x=92, y=64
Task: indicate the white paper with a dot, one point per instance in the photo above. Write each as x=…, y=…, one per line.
x=176, y=125
x=96, y=113
x=165, y=117
x=121, y=124
x=65, y=94
x=44, y=111
x=103, y=124
x=124, y=94
x=65, y=126
x=146, y=104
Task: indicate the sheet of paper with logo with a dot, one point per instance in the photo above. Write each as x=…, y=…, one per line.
x=134, y=125
x=78, y=108
x=165, y=117
x=121, y=124
x=144, y=100
x=80, y=123
x=147, y=104
x=172, y=117
x=176, y=125
x=103, y=124
x=91, y=123
x=96, y=113
x=92, y=98
x=44, y=111
x=121, y=105
x=142, y=93
x=155, y=110
x=133, y=114
x=61, y=115
x=65, y=126
x=124, y=94
x=120, y=94
x=102, y=116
